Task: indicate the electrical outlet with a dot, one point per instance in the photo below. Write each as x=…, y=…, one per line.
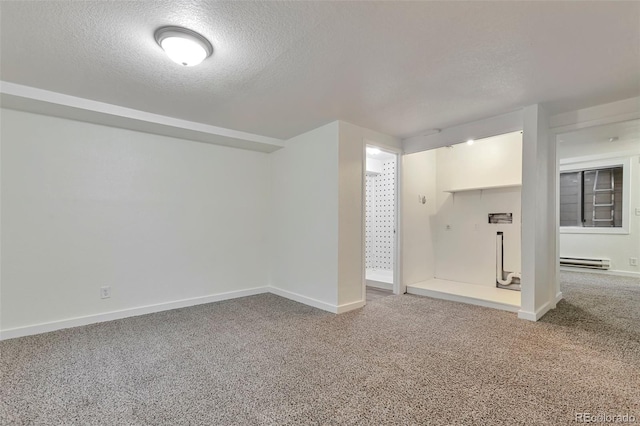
x=105, y=292
x=633, y=261
x=637, y=212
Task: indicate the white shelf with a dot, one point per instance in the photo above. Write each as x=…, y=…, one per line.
x=482, y=188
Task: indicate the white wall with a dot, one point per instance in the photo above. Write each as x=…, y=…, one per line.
x=317, y=216
x=418, y=249
x=540, y=291
x=465, y=240
x=165, y=221
x=491, y=161
x=466, y=252
x=617, y=247
x=304, y=217
x=156, y=218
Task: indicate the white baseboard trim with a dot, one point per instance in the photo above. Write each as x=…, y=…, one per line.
x=535, y=316
x=350, y=306
x=606, y=272
x=526, y=315
x=559, y=297
x=340, y=309
x=303, y=299
x=29, y=330
x=379, y=284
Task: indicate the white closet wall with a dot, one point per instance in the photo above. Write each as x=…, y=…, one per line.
x=465, y=241
x=380, y=217
x=369, y=223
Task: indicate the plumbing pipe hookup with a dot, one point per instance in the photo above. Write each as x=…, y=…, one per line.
x=500, y=263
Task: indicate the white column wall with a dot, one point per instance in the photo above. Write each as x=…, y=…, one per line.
x=304, y=218
x=419, y=220
x=539, y=230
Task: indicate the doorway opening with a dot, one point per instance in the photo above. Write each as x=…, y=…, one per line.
x=597, y=214
x=381, y=223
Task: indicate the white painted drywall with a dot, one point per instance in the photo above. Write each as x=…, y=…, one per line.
x=465, y=240
x=418, y=237
x=304, y=215
x=617, y=247
x=374, y=166
x=488, y=162
x=539, y=215
x=156, y=218
x=351, y=213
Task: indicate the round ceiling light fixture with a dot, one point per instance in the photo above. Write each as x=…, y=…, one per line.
x=470, y=142
x=183, y=46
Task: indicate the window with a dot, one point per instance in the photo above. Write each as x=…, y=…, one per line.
x=591, y=198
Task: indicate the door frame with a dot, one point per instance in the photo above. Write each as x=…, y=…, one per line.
x=398, y=285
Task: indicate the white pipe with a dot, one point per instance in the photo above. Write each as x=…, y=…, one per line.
x=499, y=263
x=499, y=260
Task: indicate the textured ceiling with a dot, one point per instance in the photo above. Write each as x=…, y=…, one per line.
x=282, y=68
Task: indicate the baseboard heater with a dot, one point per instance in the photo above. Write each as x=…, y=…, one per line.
x=584, y=262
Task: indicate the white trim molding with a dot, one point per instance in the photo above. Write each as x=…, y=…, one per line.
x=591, y=163
x=29, y=330
x=125, y=313
x=304, y=299
x=539, y=313
x=615, y=272
x=346, y=307
x=334, y=309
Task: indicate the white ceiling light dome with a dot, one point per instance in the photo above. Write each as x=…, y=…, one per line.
x=183, y=46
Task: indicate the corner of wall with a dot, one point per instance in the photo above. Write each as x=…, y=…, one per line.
x=303, y=236
x=539, y=232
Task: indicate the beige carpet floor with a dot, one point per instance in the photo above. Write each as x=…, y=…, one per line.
x=265, y=360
